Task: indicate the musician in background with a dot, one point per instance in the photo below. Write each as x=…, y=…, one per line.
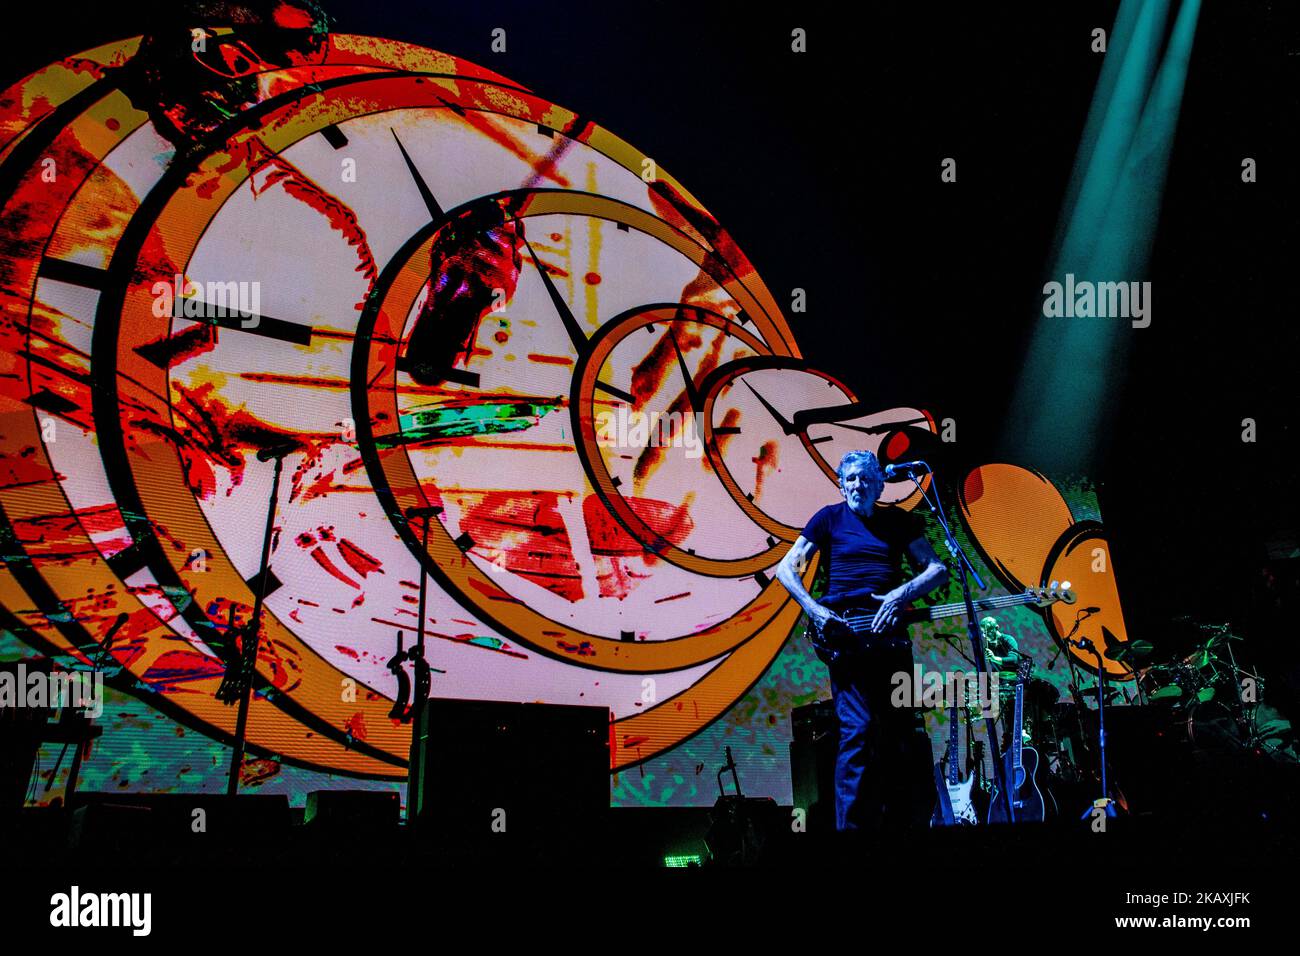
x=1003, y=655
x=864, y=545
x=1001, y=649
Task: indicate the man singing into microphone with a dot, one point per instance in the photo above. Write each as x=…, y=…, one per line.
x=864, y=545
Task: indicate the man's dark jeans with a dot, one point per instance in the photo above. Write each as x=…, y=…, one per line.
x=873, y=785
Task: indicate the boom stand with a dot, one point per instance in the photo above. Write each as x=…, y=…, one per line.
x=964, y=568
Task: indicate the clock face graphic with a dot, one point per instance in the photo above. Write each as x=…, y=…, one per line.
x=443, y=292
x=451, y=293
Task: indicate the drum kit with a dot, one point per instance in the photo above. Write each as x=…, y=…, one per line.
x=1201, y=685
x=1208, y=698
x=1194, y=688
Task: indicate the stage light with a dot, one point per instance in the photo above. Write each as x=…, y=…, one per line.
x=1108, y=223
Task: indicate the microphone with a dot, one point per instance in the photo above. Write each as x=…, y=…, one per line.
x=277, y=451
x=906, y=469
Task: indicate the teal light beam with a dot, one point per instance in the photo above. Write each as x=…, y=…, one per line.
x=1108, y=224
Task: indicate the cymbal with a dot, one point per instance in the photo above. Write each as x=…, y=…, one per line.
x=1219, y=636
x=1129, y=649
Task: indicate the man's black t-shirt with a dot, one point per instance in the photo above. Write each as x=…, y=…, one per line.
x=864, y=553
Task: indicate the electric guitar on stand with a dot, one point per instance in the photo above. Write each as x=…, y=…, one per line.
x=955, y=806
x=1021, y=764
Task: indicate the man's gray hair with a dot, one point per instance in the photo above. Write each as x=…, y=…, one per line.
x=870, y=466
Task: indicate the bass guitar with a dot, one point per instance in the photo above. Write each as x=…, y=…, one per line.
x=850, y=631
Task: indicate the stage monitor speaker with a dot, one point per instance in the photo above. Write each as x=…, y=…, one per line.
x=526, y=772
x=180, y=823
x=115, y=828
x=353, y=809
x=812, y=763
x=743, y=829
x=20, y=729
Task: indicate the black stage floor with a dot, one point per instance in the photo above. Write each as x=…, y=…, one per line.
x=1057, y=874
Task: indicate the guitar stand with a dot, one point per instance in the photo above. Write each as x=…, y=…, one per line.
x=965, y=569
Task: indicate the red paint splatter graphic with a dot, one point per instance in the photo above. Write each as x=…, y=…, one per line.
x=255, y=772
x=360, y=562
x=270, y=169
x=648, y=377
x=523, y=533
x=175, y=668
x=607, y=537
x=356, y=726
x=621, y=560
x=676, y=209
x=730, y=420
x=550, y=359
x=321, y=558
x=764, y=464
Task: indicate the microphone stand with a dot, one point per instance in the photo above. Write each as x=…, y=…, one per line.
x=1084, y=643
x=965, y=568
x=420, y=696
x=247, y=661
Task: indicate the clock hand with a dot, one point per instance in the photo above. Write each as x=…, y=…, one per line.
x=430, y=201
x=835, y=414
x=692, y=394
x=785, y=425
x=875, y=429
x=616, y=392
x=576, y=335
